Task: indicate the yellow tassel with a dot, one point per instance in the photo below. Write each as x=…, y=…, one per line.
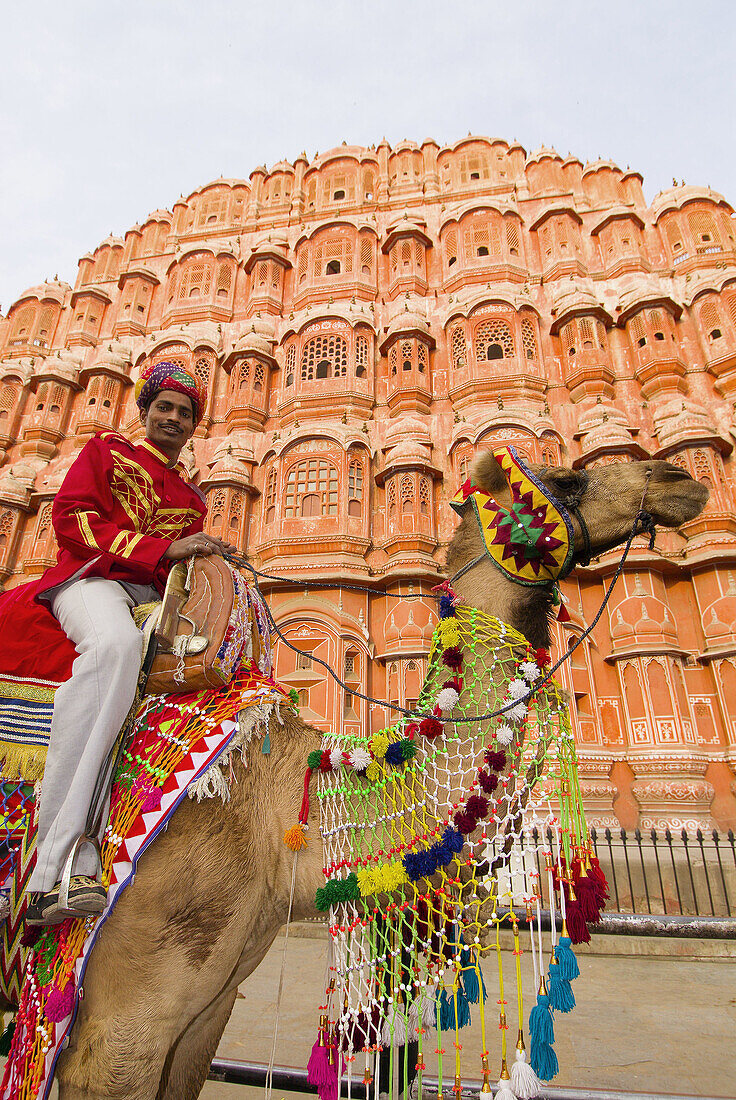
x=22, y=762
x=294, y=837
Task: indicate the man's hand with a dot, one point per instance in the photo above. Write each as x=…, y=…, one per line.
x=200, y=544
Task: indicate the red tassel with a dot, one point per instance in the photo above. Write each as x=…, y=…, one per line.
x=576, y=926
x=598, y=882
x=304, y=812
x=586, y=899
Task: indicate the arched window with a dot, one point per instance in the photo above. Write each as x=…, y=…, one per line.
x=361, y=356
x=512, y=238
x=391, y=498
x=290, y=364
x=528, y=339
x=393, y=359
x=368, y=184
x=22, y=322
x=705, y=232
x=6, y=527
x=493, y=340
x=333, y=257
x=711, y=320
x=224, y=280
x=406, y=350
x=355, y=487
x=324, y=357
x=216, y=510
x=424, y=496
x=366, y=257
x=270, y=495
x=311, y=489
x=458, y=346
x=638, y=333
x=422, y=357
x=333, y=267
x=406, y=492
x=451, y=247
x=196, y=279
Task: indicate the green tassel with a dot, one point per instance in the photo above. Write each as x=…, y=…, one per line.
x=7, y=1038
x=266, y=743
x=294, y=697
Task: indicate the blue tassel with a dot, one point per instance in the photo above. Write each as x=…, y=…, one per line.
x=463, y=1009
x=471, y=985
x=569, y=968
x=444, y=1012
x=544, y=1061
x=541, y=1027
x=561, y=996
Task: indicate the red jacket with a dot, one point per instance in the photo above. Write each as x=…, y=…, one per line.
x=118, y=510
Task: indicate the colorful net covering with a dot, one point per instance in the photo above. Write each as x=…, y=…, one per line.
x=438, y=833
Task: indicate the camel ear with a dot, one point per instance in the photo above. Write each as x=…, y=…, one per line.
x=487, y=474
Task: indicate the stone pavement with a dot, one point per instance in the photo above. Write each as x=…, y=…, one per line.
x=651, y=1016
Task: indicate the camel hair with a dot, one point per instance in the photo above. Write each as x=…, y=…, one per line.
x=211, y=894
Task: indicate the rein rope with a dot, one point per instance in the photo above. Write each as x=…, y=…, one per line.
x=643, y=524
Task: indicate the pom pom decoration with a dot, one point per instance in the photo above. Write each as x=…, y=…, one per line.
x=394, y=755
x=453, y=658
x=294, y=837
x=477, y=805
x=60, y=1002
x=359, y=759
x=336, y=758
x=314, y=759
x=379, y=744
x=504, y=734
x=496, y=760
x=294, y=697
x=430, y=727
x=486, y=782
x=447, y=698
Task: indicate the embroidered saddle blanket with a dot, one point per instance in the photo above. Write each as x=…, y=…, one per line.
x=180, y=746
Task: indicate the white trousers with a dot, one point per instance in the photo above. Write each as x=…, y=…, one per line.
x=89, y=711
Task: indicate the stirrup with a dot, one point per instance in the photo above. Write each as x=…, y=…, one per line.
x=66, y=874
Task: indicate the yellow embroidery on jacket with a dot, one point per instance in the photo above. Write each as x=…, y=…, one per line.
x=133, y=487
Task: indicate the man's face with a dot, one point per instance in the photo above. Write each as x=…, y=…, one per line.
x=169, y=422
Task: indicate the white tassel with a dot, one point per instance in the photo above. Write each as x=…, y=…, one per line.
x=428, y=1006
x=399, y=1026
x=504, y=1090
x=524, y=1080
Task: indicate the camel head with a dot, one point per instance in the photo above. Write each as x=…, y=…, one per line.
x=607, y=498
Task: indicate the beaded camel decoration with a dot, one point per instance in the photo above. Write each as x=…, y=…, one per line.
x=210, y=895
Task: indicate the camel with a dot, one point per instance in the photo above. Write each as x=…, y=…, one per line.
x=210, y=896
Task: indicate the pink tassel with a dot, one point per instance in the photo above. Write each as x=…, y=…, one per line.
x=318, y=1068
x=60, y=1002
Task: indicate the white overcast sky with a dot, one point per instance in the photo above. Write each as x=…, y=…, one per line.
x=111, y=108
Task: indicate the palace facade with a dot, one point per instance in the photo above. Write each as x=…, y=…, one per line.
x=365, y=321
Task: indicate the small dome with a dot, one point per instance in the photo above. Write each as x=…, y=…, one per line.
x=541, y=154
x=408, y=321
x=407, y=427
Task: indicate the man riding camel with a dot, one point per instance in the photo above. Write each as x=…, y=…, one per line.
x=122, y=516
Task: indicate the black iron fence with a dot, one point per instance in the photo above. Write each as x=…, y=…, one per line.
x=669, y=873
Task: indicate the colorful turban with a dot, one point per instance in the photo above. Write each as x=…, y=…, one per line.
x=170, y=376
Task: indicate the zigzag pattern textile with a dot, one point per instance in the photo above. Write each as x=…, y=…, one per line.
x=438, y=836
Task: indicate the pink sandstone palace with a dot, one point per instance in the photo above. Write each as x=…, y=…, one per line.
x=367, y=320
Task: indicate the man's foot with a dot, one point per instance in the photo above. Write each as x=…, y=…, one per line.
x=86, y=897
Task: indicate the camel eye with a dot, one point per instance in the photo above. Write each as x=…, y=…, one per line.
x=563, y=484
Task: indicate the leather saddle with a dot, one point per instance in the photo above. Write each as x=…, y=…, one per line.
x=205, y=627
